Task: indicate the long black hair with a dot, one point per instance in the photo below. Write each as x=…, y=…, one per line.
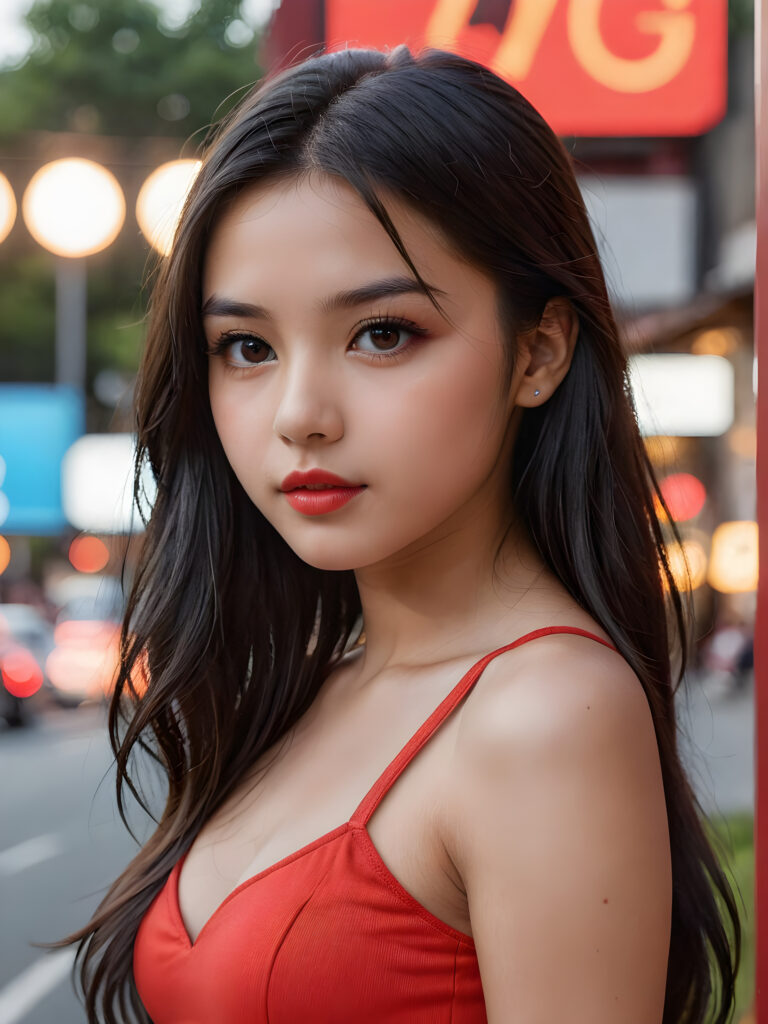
x=228, y=635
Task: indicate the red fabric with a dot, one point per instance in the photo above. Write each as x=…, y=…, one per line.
x=327, y=935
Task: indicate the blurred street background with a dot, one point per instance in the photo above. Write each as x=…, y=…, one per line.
x=105, y=106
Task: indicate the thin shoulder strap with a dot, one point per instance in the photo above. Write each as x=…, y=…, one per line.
x=387, y=778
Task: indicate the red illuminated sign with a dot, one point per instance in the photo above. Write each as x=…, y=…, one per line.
x=591, y=67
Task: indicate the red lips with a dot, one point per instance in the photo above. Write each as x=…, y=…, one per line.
x=333, y=492
x=314, y=477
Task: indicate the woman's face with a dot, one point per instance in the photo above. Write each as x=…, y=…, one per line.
x=325, y=355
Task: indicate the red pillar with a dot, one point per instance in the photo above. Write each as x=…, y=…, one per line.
x=761, y=621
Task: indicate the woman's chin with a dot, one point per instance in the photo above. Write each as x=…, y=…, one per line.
x=332, y=559
x=329, y=563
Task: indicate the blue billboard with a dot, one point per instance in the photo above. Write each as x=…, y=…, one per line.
x=38, y=423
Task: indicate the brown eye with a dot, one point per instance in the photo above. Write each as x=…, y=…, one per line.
x=385, y=337
x=252, y=350
x=246, y=350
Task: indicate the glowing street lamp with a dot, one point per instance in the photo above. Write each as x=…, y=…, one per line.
x=7, y=207
x=160, y=201
x=73, y=208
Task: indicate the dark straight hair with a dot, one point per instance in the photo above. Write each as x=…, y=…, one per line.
x=228, y=635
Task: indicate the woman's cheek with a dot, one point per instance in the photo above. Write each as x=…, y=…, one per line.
x=241, y=430
x=441, y=442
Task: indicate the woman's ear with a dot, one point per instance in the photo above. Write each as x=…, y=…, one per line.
x=546, y=352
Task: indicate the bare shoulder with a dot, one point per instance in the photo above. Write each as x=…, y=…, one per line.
x=559, y=831
x=546, y=688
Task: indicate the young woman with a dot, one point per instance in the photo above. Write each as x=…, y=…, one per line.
x=399, y=636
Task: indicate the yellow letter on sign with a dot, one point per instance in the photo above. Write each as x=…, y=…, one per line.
x=448, y=18
x=675, y=27
x=525, y=26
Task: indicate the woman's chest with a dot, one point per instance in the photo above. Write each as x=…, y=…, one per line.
x=312, y=785
x=332, y=938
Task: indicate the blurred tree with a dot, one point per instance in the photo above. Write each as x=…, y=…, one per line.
x=26, y=316
x=741, y=17
x=112, y=67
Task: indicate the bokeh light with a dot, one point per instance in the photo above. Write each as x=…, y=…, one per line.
x=684, y=494
x=7, y=207
x=742, y=441
x=22, y=676
x=666, y=451
x=73, y=207
x=717, y=341
x=88, y=554
x=84, y=662
x=688, y=564
x=161, y=200
x=140, y=674
x=5, y=554
x=733, y=559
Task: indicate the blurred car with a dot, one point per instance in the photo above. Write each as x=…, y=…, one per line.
x=26, y=640
x=84, y=659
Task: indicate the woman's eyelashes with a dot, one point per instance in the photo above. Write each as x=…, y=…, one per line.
x=376, y=339
x=386, y=336
x=242, y=351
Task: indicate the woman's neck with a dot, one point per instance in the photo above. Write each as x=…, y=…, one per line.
x=447, y=595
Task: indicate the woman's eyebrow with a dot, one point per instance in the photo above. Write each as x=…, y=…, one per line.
x=220, y=306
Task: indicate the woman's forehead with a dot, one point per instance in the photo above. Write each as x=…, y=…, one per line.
x=315, y=227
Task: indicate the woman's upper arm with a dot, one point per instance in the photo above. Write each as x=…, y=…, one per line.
x=561, y=838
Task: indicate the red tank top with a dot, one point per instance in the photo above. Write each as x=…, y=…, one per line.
x=327, y=935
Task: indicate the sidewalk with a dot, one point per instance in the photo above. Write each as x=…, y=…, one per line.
x=717, y=746
x=716, y=730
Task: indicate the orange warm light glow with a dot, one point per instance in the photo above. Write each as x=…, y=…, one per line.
x=665, y=451
x=718, y=341
x=84, y=661
x=21, y=674
x=7, y=207
x=140, y=675
x=161, y=199
x=88, y=554
x=742, y=441
x=5, y=554
x=688, y=564
x=733, y=561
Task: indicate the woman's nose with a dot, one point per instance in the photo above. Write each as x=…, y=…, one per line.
x=308, y=408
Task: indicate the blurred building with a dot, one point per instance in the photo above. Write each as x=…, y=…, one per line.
x=714, y=317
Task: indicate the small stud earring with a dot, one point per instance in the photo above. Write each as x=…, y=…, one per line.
x=536, y=393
